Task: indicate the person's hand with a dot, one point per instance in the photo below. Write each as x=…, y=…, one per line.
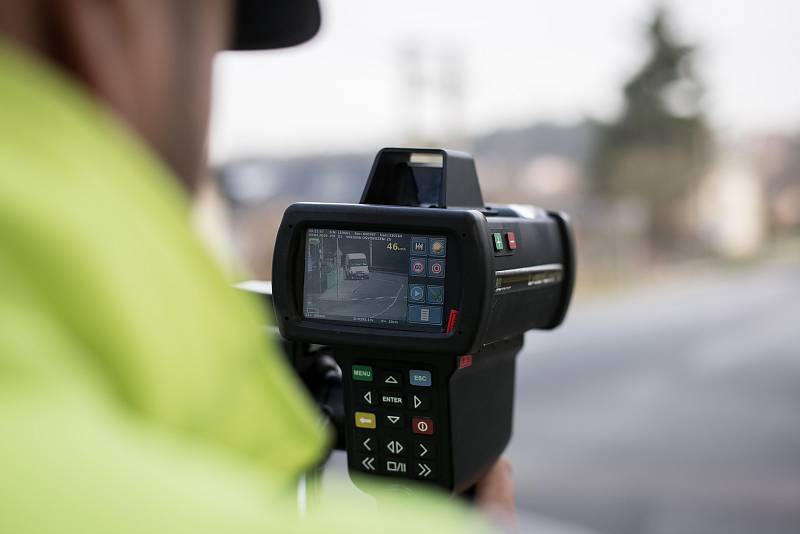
x=494, y=494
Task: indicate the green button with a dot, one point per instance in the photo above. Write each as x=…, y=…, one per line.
x=362, y=373
x=498, y=241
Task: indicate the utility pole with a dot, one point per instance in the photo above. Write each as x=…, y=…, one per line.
x=452, y=83
x=412, y=88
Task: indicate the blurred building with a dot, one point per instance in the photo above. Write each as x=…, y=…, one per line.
x=731, y=209
x=777, y=158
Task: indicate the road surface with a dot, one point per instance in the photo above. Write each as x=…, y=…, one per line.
x=382, y=295
x=668, y=410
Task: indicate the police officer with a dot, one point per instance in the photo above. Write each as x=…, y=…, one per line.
x=135, y=392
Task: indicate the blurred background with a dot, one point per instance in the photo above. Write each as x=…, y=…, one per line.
x=669, y=402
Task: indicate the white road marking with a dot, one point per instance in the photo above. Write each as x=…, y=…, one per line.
x=394, y=300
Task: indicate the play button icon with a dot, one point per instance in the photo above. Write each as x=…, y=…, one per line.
x=416, y=293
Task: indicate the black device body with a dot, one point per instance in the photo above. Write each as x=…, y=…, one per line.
x=423, y=293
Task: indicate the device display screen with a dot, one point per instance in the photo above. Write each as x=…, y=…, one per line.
x=383, y=279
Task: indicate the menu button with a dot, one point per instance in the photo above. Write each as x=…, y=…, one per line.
x=362, y=373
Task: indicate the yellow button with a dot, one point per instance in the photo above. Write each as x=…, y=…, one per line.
x=365, y=420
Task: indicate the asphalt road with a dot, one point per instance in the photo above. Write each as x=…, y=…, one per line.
x=667, y=410
x=382, y=295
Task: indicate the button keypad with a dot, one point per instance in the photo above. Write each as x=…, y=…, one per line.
x=427, y=269
x=395, y=425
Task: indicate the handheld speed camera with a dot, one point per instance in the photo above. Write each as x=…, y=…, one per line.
x=422, y=293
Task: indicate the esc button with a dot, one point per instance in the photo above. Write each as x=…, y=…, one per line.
x=418, y=377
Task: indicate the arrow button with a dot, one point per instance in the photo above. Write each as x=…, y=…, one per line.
x=367, y=397
x=395, y=447
x=394, y=420
x=366, y=444
x=392, y=378
x=424, y=449
x=419, y=401
x=368, y=463
x=425, y=470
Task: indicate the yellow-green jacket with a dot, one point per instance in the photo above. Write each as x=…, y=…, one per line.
x=136, y=393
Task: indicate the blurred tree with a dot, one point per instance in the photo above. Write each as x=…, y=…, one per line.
x=659, y=147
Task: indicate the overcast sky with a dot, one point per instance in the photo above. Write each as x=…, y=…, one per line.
x=522, y=61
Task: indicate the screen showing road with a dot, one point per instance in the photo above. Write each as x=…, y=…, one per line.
x=380, y=278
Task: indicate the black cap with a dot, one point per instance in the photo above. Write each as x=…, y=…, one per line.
x=264, y=24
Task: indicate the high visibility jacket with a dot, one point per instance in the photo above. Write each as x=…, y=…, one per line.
x=137, y=392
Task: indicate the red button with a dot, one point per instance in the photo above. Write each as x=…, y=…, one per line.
x=422, y=425
x=512, y=240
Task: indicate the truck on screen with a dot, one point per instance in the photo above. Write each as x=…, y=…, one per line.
x=355, y=266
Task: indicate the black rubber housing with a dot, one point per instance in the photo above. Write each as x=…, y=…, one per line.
x=469, y=287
